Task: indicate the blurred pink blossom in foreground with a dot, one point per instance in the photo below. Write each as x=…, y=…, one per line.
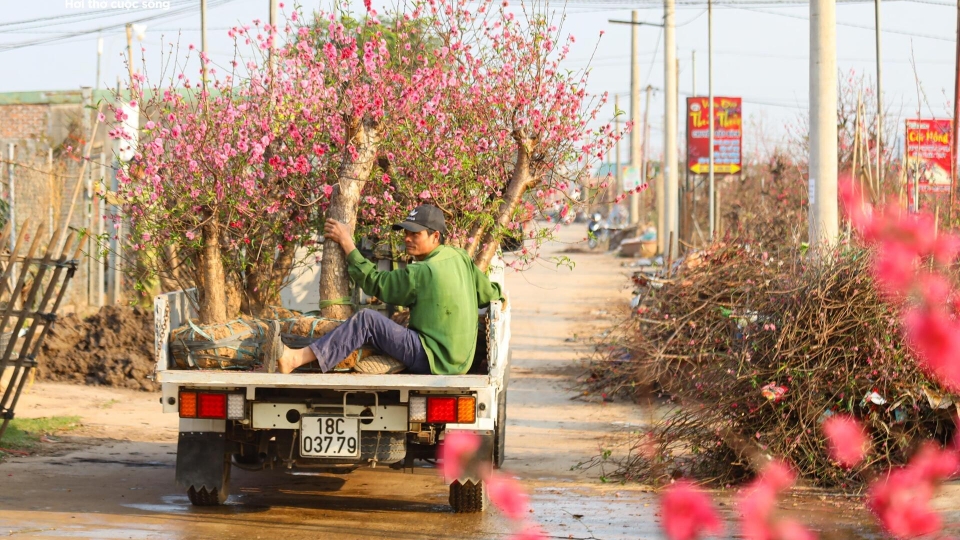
x=507, y=495
x=901, y=499
x=757, y=504
x=456, y=449
x=846, y=439
x=687, y=512
x=903, y=241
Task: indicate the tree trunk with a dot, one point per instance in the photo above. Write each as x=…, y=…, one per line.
x=212, y=282
x=263, y=282
x=520, y=180
x=233, y=292
x=334, y=280
x=168, y=270
x=476, y=233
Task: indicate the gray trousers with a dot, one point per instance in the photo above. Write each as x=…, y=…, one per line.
x=369, y=327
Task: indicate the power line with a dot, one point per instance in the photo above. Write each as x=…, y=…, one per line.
x=861, y=26
x=635, y=4
x=47, y=40
x=70, y=18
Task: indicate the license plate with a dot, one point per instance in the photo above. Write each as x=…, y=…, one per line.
x=329, y=436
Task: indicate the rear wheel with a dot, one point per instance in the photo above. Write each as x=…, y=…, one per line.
x=468, y=497
x=204, y=496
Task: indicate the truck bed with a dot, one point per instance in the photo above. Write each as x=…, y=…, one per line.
x=171, y=310
x=340, y=381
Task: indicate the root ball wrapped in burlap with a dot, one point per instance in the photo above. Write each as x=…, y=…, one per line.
x=233, y=345
x=239, y=344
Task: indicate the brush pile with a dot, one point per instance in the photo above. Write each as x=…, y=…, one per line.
x=754, y=349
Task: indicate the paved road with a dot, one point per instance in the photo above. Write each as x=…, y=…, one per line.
x=117, y=480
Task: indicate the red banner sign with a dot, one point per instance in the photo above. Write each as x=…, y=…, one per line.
x=727, y=135
x=928, y=154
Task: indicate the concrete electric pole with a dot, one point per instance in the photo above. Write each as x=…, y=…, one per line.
x=670, y=176
x=203, y=37
x=618, y=177
x=693, y=70
x=823, y=220
x=879, y=102
x=273, y=33
x=130, y=51
x=711, y=182
x=636, y=158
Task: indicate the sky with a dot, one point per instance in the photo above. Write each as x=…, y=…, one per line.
x=761, y=50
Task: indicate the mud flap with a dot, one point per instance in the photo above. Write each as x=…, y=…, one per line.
x=481, y=462
x=200, y=460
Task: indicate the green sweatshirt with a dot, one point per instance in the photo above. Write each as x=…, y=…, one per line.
x=443, y=292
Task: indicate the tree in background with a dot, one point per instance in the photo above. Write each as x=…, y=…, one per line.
x=359, y=120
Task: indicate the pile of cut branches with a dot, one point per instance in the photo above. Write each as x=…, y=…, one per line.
x=753, y=350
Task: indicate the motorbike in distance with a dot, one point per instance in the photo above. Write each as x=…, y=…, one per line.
x=598, y=231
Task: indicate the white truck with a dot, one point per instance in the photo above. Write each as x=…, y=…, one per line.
x=333, y=421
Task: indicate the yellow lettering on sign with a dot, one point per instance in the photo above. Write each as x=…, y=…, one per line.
x=936, y=136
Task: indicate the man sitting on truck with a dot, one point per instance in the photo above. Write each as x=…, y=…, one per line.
x=443, y=290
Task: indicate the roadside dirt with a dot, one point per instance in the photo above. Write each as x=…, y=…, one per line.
x=113, y=347
x=114, y=478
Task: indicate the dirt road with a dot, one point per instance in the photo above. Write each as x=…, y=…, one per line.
x=114, y=477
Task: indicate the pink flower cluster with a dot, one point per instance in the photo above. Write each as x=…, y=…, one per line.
x=507, y=495
x=903, y=241
x=901, y=499
x=757, y=503
x=687, y=512
x=846, y=439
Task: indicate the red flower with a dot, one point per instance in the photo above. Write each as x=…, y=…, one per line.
x=687, y=512
x=457, y=447
x=846, y=439
x=507, y=495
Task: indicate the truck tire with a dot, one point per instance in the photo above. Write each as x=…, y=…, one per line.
x=391, y=448
x=213, y=496
x=468, y=498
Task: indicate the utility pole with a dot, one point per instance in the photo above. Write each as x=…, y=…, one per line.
x=636, y=158
x=100, y=213
x=646, y=146
x=203, y=40
x=99, y=57
x=823, y=122
x=671, y=184
x=130, y=51
x=271, y=60
x=956, y=120
x=876, y=4
x=11, y=182
x=11, y=202
x=618, y=189
x=711, y=181
x=693, y=70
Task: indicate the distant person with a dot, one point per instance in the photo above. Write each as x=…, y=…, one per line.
x=443, y=290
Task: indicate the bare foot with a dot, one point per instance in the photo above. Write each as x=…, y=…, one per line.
x=291, y=359
x=288, y=360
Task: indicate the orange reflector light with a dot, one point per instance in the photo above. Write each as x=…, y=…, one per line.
x=466, y=410
x=188, y=404
x=212, y=406
x=441, y=409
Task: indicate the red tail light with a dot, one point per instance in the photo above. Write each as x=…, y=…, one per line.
x=441, y=409
x=212, y=406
